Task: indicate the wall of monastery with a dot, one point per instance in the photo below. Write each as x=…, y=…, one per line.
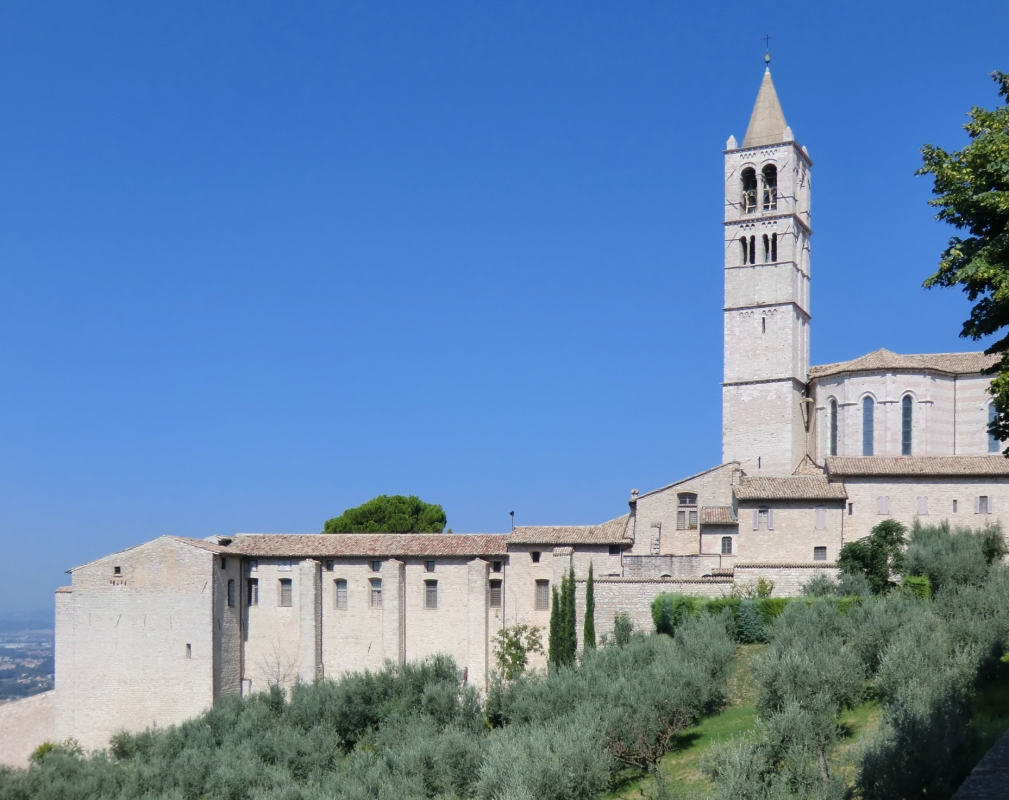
x=135, y=648
x=227, y=622
x=24, y=725
x=788, y=578
x=795, y=533
x=762, y=426
x=351, y=636
x=940, y=493
x=272, y=630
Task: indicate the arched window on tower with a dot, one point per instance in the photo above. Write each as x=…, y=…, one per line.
x=753, y=249
x=906, y=424
x=749, y=190
x=993, y=443
x=833, y=428
x=746, y=250
x=767, y=248
x=770, y=193
x=774, y=247
x=868, y=420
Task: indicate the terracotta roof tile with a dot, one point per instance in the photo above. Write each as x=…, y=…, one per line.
x=381, y=545
x=882, y=359
x=872, y=466
x=612, y=532
x=717, y=515
x=65, y=590
x=794, y=487
x=808, y=467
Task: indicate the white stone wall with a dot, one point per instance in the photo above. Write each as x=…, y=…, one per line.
x=273, y=632
x=788, y=579
x=794, y=535
x=24, y=725
x=903, y=494
x=121, y=641
x=950, y=416
x=351, y=637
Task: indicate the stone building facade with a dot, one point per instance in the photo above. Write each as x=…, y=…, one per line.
x=813, y=457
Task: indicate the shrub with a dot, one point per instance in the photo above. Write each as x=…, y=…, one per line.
x=877, y=556
x=918, y=585
x=750, y=623
x=622, y=629
x=949, y=556
x=669, y=610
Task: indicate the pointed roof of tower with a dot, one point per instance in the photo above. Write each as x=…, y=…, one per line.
x=767, y=122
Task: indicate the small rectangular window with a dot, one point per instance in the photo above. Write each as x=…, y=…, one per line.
x=542, y=595
x=681, y=520
x=376, y=566
x=495, y=566
x=330, y=564
x=189, y=651
x=495, y=594
x=614, y=549
x=851, y=509
x=341, y=594
x=284, y=565
x=231, y=594
x=922, y=505
x=224, y=563
x=376, y=592
x=819, y=554
x=691, y=520
x=428, y=566
x=821, y=519
x=253, y=591
x=726, y=545
x=535, y=555
x=253, y=565
x=954, y=506
x=117, y=570
x=430, y=594
x=286, y=593
x=884, y=505
x=982, y=505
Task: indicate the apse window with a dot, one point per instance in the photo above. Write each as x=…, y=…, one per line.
x=286, y=593
x=819, y=554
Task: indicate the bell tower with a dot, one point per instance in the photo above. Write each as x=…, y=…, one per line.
x=766, y=312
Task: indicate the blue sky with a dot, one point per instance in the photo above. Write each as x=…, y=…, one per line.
x=260, y=262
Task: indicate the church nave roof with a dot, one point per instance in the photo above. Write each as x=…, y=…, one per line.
x=883, y=359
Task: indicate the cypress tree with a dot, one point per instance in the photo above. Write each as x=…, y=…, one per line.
x=589, y=632
x=554, y=656
x=569, y=634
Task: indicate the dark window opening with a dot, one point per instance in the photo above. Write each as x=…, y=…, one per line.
x=993, y=443
x=774, y=247
x=767, y=248
x=376, y=566
x=428, y=566
x=833, y=427
x=763, y=324
x=189, y=651
x=749, y=190
x=117, y=570
x=224, y=563
x=868, y=423
x=614, y=549
x=494, y=598
x=231, y=594
x=495, y=566
x=753, y=249
x=329, y=565
x=906, y=411
x=535, y=554
x=770, y=193
x=742, y=241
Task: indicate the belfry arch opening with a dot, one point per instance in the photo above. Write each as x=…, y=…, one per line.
x=769, y=198
x=749, y=190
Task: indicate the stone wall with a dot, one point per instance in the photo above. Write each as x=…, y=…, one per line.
x=24, y=725
x=788, y=578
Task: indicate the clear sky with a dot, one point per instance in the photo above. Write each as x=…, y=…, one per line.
x=262, y=261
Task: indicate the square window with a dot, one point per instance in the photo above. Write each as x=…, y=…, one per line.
x=330, y=564
x=117, y=570
x=284, y=565
x=495, y=566
x=376, y=592
x=495, y=594
x=614, y=549
x=376, y=566
x=254, y=591
x=542, y=595
x=341, y=594
x=428, y=566
x=535, y=554
x=286, y=593
x=430, y=594
x=819, y=554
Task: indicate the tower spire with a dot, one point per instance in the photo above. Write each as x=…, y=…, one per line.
x=767, y=122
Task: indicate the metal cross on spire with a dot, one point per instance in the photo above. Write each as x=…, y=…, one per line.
x=767, y=51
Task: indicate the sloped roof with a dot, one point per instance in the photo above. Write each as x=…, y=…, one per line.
x=767, y=122
x=202, y=544
x=793, y=487
x=612, y=532
x=808, y=467
x=937, y=466
x=379, y=545
x=885, y=360
x=688, y=478
x=717, y=515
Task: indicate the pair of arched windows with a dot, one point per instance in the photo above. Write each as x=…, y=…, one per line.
x=768, y=190
x=748, y=245
x=869, y=425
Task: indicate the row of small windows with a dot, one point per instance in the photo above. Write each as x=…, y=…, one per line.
x=749, y=247
x=983, y=504
x=906, y=426
x=286, y=595
x=768, y=189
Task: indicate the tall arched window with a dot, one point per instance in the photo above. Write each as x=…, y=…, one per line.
x=767, y=248
x=833, y=427
x=868, y=419
x=749, y=190
x=906, y=420
x=993, y=443
x=774, y=247
x=770, y=194
x=746, y=250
